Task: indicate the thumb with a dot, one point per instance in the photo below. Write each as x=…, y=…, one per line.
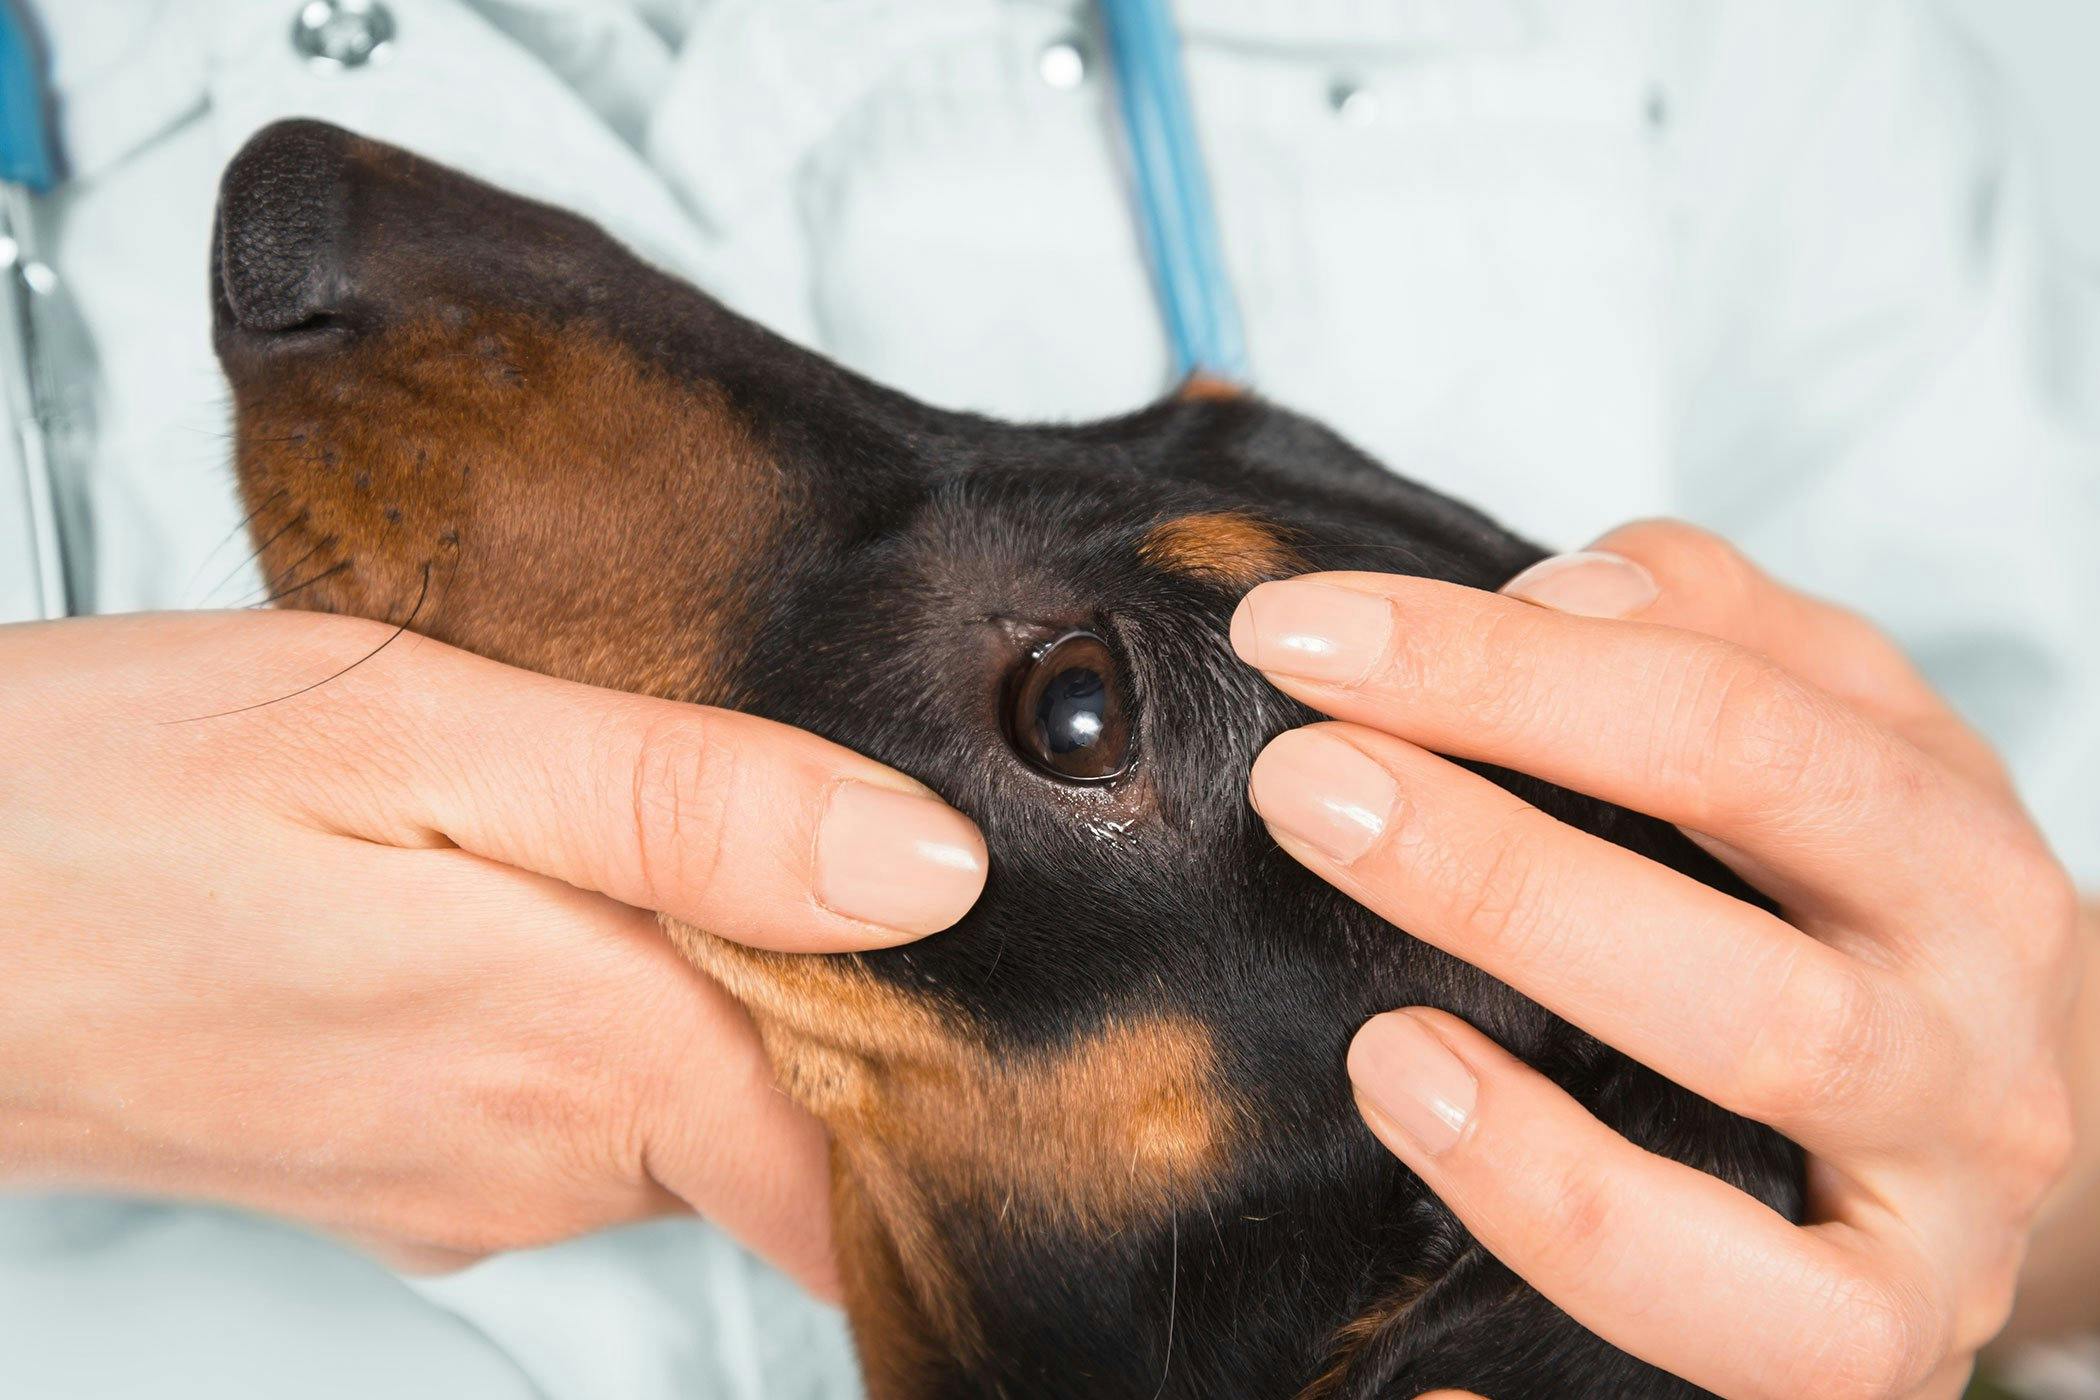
x=749, y=829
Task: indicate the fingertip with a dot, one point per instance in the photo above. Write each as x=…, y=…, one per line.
x=900, y=864
x=1313, y=785
x=1314, y=627
x=1405, y=1071
x=1699, y=574
x=1587, y=583
x=1242, y=632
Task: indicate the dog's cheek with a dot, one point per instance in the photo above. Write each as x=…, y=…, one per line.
x=1121, y=1125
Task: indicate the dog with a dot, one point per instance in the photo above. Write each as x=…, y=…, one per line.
x=1095, y=1140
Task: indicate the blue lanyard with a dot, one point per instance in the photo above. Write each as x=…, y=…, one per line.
x=28, y=156
x=1172, y=193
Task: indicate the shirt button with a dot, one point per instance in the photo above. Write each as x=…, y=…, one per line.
x=338, y=34
x=1355, y=105
x=1062, y=64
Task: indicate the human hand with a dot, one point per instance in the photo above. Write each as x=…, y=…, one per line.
x=1904, y=1021
x=374, y=958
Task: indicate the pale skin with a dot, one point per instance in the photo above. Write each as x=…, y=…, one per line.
x=374, y=959
x=1908, y=1017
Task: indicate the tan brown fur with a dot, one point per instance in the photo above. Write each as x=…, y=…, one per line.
x=1122, y=1126
x=1226, y=547
x=1124, y=1123
x=901, y=1347
x=459, y=463
x=1208, y=388
x=1353, y=1336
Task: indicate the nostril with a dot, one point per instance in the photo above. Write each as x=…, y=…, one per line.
x=282, y=210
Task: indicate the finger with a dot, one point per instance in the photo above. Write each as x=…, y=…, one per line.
x=1658, y=1258
x=1565, y=917
x=1685, y=577
x=750, y=829
x=1832, y=806
x=642, y=1069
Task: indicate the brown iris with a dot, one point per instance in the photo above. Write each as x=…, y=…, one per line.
x=1066, y=713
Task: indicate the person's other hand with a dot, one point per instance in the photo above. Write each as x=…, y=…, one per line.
x=1904, y=1021
x=374, y=958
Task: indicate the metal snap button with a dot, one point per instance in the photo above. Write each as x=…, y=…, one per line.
x=1062, y=65
x=337, y=34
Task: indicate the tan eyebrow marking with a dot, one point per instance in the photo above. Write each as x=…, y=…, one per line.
x=1226, y=546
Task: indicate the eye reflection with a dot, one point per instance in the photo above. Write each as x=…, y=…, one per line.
x=1066, y=713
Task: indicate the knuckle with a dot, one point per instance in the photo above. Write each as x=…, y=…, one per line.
x=2037, y=909
x=1680, y=548
x=1481, y=665
x=682, y=785
x=1581, y=1224
x=1987, y=1302
x=1755, y=736
x=2041, y=1138
x=1823, y=1047
x=2055, y=907
x=1879, y=1346
x=1498, y=895
x=1694, y=562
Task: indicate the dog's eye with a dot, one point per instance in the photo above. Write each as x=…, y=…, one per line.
x=1065, y=711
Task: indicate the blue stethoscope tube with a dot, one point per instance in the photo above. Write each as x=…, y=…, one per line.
x=1171, y=191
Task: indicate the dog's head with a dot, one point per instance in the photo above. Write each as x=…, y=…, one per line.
x=1113, y=1095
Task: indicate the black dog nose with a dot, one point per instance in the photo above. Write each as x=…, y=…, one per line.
x=282, y=217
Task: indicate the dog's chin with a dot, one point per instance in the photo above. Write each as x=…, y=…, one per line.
x=801, y=1000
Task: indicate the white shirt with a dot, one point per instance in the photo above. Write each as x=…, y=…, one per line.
x=1770, y=265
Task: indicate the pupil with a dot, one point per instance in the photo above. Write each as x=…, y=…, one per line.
x=1073, y=710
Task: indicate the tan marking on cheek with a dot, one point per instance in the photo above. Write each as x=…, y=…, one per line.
x=577, y=511
x=1225, y=547
x=901, y=1348
x=1124, y=1125
x=1125, y=1122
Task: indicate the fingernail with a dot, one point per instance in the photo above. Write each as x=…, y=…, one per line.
x=1587, y=583
x=1324, y=791
x=895, y=859
x=1314, y=631
x=1403, y=1070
